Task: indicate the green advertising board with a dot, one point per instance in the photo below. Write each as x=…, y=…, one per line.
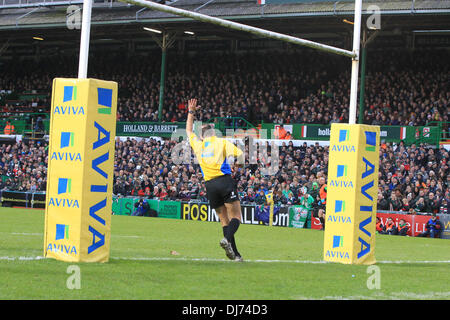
x=169, y=209
x=123, y=206
x=424, y=134
x=318, y=132
x=147, y=129
x=322, y=132
x=164, y=209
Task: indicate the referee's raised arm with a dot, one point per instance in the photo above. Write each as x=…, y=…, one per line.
x=192, y=106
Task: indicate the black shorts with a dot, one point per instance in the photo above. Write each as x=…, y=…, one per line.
x=221, y=190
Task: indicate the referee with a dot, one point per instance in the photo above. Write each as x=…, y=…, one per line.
x=212, y=153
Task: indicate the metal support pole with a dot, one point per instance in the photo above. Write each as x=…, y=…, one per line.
x=163, y=78
x=168, y=39
x=355, y=62
x=84, y=42
x=362, y=85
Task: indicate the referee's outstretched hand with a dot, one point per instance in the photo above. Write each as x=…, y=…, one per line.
x=192, y=104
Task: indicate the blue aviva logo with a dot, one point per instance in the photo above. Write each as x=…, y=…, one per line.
x=341, y=170
x=344, y=135
x=371, y=139
x=64, y=185
x=339, y=206
x=62, y=232
x=70, y=93
x=104, y=100
x=67, y=139
x=338, y=241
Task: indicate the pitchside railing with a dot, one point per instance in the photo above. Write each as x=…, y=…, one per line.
x=444, y=130
x=231, y=123
x=25, y=122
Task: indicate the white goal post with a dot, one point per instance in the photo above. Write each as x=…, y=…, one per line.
x=354, y=54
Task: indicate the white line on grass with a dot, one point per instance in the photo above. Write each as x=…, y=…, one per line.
x=41, y=234
x=212, y=260
x=22, y=258
x=26, y=234
x=259, y=260
x=380, y=295
x=412, y=261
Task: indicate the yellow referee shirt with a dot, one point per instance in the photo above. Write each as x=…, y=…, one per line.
x=212, y=153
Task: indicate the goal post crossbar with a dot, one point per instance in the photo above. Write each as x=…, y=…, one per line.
x=240, y=27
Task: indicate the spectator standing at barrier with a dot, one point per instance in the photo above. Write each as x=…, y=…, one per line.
x=383, y=203
x=39, y=126
x=314, y=190
x=395, y=203
x=320, y=209
x=405, y=205
x=9, y=128
x=260, y=198
x=443, y=209
x=306, y=199
x=431, y=204
x=280, y=132
x=287, y=195
x=419, y=206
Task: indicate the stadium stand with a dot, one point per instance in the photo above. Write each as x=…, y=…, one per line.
x=409, y=88
x=401, y=88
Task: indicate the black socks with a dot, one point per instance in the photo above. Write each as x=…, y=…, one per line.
x=232, y=228
x=229, y=231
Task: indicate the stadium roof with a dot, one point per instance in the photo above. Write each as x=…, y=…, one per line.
x=117, y=23
x=53, y=14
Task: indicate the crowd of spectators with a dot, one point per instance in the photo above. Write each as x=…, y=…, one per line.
x=411, y=179
x=23, y=166
x=302, y=86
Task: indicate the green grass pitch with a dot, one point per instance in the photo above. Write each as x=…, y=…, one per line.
x=281, y=263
